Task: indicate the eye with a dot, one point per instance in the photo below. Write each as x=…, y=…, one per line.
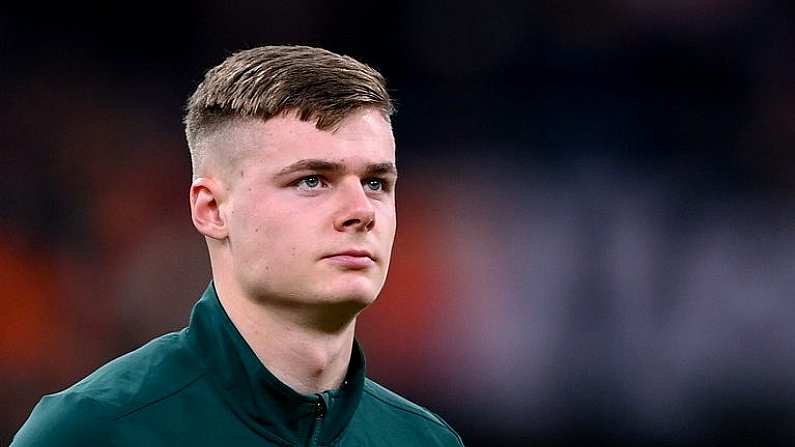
x=309, y=183
x=374, y=184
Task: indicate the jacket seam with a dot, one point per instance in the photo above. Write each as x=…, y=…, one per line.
x=160, y=399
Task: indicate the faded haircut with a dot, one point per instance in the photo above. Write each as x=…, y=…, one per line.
x=315, y=84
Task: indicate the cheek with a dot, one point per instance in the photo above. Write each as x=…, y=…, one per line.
x=275, y=233
x=252, y=226
x=388, y=216
x=256, y=217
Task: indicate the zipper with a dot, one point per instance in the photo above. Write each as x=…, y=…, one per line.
x=320, y=413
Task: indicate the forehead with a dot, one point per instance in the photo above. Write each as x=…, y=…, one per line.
x=364, y=137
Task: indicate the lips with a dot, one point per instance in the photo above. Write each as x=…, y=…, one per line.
x=352, y=259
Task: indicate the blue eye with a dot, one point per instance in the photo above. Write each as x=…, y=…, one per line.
x=310, y=182
x=374, y=184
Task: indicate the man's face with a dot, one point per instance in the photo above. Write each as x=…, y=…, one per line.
x=311, y=213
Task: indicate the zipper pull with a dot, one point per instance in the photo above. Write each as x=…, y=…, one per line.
x=320, y=408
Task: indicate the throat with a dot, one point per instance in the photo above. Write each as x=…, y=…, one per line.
x=307, y=357
x=310, y=375
x=305, y=362
x=308, y=348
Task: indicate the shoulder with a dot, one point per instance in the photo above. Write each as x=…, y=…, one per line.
x=65, y=419
x=152, y=372
x=85, y=412
x=399, y=409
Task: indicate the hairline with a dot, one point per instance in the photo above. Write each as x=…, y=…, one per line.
x=230, y=122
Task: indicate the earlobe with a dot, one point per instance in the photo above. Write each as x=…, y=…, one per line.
x=205, y=201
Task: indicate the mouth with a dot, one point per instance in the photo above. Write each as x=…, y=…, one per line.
x=352, y=259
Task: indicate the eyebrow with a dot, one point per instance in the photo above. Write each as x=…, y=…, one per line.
x=382, y=168
x=313, y=164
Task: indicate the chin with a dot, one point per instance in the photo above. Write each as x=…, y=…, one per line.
x=353, y=286
x=353, y=298
x=359, y=295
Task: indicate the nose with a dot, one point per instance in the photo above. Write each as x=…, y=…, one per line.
x=356, y=212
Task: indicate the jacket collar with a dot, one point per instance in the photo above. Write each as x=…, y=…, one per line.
x=262, y=401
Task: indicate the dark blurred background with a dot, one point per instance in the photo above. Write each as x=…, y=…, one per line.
x=596, y=216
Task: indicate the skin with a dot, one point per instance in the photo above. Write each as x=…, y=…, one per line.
x=279, y=213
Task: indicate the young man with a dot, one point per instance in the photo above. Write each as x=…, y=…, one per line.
x=294, y=190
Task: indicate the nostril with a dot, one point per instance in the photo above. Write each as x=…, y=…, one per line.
x=366, y=223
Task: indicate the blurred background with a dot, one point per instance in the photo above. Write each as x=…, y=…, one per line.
x=596, y=210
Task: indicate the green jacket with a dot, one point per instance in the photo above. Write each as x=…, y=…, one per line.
x=205, y=386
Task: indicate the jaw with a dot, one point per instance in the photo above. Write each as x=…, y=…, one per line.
x=330, y=317
x=362, y=286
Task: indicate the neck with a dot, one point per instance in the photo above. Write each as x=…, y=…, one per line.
x=307, y=355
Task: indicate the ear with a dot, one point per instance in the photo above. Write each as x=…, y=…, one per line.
x=206, y=196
